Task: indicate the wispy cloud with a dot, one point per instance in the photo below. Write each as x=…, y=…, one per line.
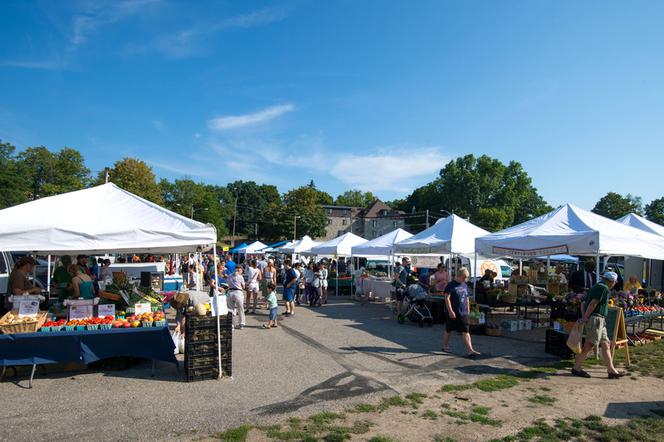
x=188, y=42
x=224, y=123
x=47, y=64
x=159, y=125
x=393, y=169
x=99, y=14
x=185, y=171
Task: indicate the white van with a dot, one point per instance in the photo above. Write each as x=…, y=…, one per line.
x=6, y=266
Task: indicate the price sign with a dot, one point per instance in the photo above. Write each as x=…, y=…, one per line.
x=80, y=311
x=219, y=303
x=105, y=310
x=142, y=307
x=28, y=308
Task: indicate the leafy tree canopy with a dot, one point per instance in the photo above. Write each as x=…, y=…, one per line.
x=614, y=206
x=302, y=202
x=655, y=211
x=51, y=173
x=134, y=176
x=13, y=183
x=355, y=198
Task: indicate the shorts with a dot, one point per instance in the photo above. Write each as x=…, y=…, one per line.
x=401, y=294
x=273, y=313
x=253, y=287
x=460, y=324
x=323, y=284
x=289, y=294
x=595, y=330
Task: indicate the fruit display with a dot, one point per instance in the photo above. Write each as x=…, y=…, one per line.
x=11, y=318
x=152, y=319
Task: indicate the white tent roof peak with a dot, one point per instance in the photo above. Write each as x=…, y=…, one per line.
x=300, y=246
x=104, y=218
x=452, y=234
x=641, y=223
x=571, y=230
x=254, y=247
x=340, y=246
x=381, y=246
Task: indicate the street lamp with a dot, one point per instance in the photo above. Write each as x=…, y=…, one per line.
x=295, y=217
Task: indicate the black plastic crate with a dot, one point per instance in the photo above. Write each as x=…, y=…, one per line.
x=201, y=374
x=556, y=344
x=197, y=322
x=207, y=362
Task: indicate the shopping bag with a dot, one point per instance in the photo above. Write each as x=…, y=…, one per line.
x=176, y=337
x=574, y=339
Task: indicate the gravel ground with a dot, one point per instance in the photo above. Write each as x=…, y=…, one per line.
x=320, y=359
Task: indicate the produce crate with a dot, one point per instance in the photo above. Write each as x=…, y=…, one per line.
x=201, y=356
x=201, y=374
x=556, y=344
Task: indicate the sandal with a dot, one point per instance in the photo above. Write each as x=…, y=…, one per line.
x=445, y=350
x=580, y=373
x=617, y=375
x=265, y=326
x=473, y=355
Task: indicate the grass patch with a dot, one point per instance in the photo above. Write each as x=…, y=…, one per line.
x=238, y=434
x=392, y=401
x=485, y=420
x=416, y=398
x=430, y=414
x=542, y=400
x=439, y=438
x=364, y=408
x=591, y=428
x=645, y=359
x=477, y=409
x=383, y=439
x=477, y=414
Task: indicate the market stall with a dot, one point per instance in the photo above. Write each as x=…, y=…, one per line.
x=119, y=222
x=566, y=230
x=383, y=247
x=340, y=246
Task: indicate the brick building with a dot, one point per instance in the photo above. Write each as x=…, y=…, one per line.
x=369, y=223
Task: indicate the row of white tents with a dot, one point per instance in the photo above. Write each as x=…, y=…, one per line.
x=107, y=218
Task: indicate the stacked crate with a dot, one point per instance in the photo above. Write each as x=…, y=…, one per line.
x=201, y=355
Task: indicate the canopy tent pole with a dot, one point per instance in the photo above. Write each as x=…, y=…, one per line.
x=548, y=265
x=475, y=282
x=597, y=267
x=336, y=291
x=216, y=306
x=520, y=267
x=48, y=274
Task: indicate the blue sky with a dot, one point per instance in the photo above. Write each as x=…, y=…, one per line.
x=376, y=95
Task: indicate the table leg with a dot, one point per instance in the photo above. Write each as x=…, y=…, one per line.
x=153, y=367
x=4, y=369
x=32, y=375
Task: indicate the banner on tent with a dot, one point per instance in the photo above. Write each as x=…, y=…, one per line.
x=533, y=253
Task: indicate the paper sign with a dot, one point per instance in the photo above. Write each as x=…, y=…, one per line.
x=28, y=308
x=219, y=300
x=533, y=253
x=106, y=310
x=142, y=307
x=80, y=312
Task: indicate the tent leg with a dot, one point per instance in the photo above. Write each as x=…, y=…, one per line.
x=216, y=305
x=520, y=268
x=597, y=268
x=476, y=279
x=337, y=283
x=48, y=274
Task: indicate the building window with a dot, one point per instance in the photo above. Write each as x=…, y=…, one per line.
x=395, y=224
x=374, y=234
x=374, y=223
x=329, y=221
x=344, y=222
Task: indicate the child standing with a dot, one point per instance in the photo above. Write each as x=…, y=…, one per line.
x=271, y=305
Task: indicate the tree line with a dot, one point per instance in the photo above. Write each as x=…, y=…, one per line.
x=482, y=189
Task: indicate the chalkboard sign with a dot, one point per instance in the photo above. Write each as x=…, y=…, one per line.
x=615, y=328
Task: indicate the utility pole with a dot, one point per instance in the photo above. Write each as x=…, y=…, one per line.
x=234, y=217
x=295, y=217
x=427, y=218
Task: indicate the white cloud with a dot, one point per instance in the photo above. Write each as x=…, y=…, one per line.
x=159, y=125
x=190, y=41
x=48, y=64
x=105, y=13
x=236, y=121
x=394, y=169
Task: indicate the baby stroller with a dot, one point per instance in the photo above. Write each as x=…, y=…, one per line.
x=415, y=306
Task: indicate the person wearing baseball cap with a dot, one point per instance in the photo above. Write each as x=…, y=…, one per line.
x=594, y=326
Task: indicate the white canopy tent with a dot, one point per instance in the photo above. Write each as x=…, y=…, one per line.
x=255, y=247
x=574, y=231
x=382, y=246
x=339, y=246
x=642, y=223
x=300, y=246
x=101, y=219
x=451, y=235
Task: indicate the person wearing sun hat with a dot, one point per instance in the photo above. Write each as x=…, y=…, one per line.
x=594, y=326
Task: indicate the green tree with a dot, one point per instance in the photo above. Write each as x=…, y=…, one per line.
x=493, y=195
x=135, y=176
x=256, y=208
x=655, y=211
x=200, y=200
x=302, y=202
x=355, y=198
x=14, y=185
x=614, y=206
x=323, y=197
x=51, y=173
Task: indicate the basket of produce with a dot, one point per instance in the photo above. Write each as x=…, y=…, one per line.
x=10, y=323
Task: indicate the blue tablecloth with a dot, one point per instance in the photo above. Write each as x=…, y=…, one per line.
x=86, y=346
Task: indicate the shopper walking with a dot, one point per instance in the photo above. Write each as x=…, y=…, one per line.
x=253, y=286
x=323, y=282
x=235, y=298
x=269, y=275
x=308, y=282
x=271, y=305
x=315, y=295
x=456, y=317
x=290, y=281
x=594, y=325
